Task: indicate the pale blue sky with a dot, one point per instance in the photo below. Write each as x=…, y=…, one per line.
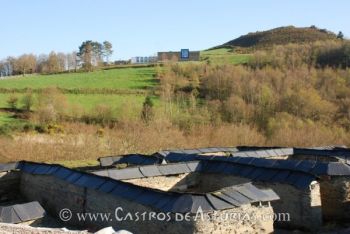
x=143, y=27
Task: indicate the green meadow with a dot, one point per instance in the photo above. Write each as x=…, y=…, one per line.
x=224, y=56
x=126, y=78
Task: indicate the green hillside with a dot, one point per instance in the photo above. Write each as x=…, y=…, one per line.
x=224, y=56
x=127, y=78
x=116, y=88
x=280, y=36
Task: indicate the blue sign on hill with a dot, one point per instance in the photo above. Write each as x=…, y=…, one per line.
x=185, y=53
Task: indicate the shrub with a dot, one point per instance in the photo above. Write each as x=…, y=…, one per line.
x=52, y=106
x=27, y=101
x=103, y=114
x=147, y=113
x=12, y=102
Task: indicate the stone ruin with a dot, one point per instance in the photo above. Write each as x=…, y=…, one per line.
x=308, y=186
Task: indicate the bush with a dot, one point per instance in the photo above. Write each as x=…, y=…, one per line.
x=103, y=114
x=12, y=102
x=147, y=113
x=27, y=101
x=52, y=106
x=49, y=128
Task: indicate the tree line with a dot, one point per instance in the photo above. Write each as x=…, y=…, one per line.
x=90, y=54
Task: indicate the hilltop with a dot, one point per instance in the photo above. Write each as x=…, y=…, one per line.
x=280, y=36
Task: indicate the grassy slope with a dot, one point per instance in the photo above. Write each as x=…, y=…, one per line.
x=87, y=101
x=128, y=78
x=224, y=55
x=121, y=79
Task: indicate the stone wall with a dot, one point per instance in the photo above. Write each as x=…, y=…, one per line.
x=55, y=194
x=9, y=185
x=304, y=207
x=181, y=182
x=335, y=193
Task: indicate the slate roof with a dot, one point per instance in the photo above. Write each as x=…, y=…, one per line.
x=312, y=167
x=8, y=166
x=198, y=150
x=21, y=212
x=338, y=153
x=256, y=171
x=265, y=153
x=136, y=159
x=164, y=201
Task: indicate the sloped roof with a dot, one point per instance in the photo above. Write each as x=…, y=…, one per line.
x=161, y=200
x=312, y=167
x=21, y=212
x=8, y=166
x=256, y=171
x=137, y=159
x=198, y=150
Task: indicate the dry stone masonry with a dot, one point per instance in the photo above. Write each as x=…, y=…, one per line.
x=309, y=186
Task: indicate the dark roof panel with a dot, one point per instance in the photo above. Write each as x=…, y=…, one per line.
x=182, y=204
x=108, y=186
x=268, y=175
x=226, y=198
x=257, y=173
x=127, y=173
x=218, y=203
x=165, y=203
x=247, y=192
x=287, y=164
x=149, y=171
x=261, y=162
x=246, y=161
x=149, y=197
x=62, y=173
x=42, y=169
x=236, y=195
x=306, y=165
x=73, y=177
x=194, y=166
x=200, y=202
x=29, y=167
x=52, y=169
x=90, y=181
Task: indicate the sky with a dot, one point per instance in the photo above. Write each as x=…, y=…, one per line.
x=143, y=27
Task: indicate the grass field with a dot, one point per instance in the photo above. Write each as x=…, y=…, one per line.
x=224, y=55
x=88, y=102
x=116, y=79
x=127, y=78
x=6, y=118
